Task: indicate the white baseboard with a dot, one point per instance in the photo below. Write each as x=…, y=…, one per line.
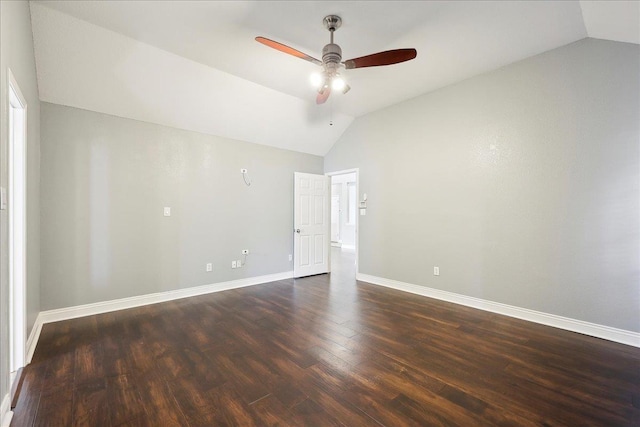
x=600, y=331
x=5, y=413
x=33, y=337
x=137, y=301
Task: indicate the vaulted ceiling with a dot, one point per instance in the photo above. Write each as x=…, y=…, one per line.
x=196, y=65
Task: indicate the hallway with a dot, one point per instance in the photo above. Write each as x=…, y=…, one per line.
x=343, y=265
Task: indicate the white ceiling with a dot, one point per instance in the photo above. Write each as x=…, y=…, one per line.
x=196, y=66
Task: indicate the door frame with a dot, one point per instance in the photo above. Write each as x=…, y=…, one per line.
x=357, y=243
x=17, y=239
x=337, y=242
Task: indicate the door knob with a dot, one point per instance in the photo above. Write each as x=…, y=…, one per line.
x=298, y=230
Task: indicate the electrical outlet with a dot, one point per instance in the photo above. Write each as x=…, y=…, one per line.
x=243, y=170
x=209, y=267
x=245, y=252
x=436, y=271
x=233, y=264
x=290, y=257
x=239, y=263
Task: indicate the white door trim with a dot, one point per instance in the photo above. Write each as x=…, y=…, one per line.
x=357, y=172
x=17, y=242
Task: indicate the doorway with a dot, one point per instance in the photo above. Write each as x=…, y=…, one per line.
x=344, y=216
x=17, y=138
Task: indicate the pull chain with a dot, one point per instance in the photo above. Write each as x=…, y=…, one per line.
x=331, y=111
x=331, y=30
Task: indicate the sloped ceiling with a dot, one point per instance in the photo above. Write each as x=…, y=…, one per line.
x=196, y=66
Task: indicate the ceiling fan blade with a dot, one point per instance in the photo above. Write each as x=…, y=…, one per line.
x=286, y=49
x=323, y=95
x=388, y=57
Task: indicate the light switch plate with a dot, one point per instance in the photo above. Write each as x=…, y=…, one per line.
x=167, y=211
x=3, y=198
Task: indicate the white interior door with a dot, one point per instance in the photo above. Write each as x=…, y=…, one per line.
x=311, y=224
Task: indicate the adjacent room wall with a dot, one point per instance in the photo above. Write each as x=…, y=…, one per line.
x=16, y=53
x=105, y=182
x=522, y=185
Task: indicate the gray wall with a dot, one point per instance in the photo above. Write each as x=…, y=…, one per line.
x=16, y=53
x=105, y=181
x=522, y=185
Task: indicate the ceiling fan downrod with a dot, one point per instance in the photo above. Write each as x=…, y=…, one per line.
x=332, y=53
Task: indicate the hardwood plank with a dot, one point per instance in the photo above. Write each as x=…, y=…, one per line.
x=229, y=408
x=16, y=386
x=431, y=415
x=26, y=409
x=89, y=362
x=90, y=404
x=313, y=414
x=271, y=412
x=194, y=403
x=247, y=383
x=56, y=402
x=124, y=400
x=159, y=403
x=56, y=407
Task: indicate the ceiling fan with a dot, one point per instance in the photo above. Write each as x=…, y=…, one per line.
x=331, y=62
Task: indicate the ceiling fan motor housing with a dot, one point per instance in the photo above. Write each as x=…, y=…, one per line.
x=331, y=55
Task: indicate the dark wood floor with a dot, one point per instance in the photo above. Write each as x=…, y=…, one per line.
x=323, y=351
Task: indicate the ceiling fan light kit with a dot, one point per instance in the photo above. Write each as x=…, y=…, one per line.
x=329, y=78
